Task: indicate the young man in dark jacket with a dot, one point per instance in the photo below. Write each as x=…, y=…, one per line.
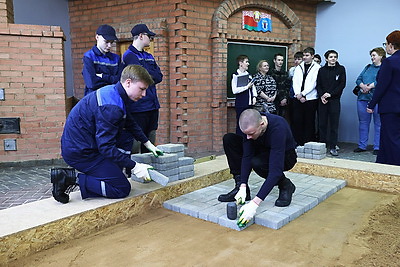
x=91, y=141
x=269, y=149
x=283, y=84
x=331, y=81
x=146, y=110
x=100, y=66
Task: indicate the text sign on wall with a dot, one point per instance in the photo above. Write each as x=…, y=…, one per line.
x=257, y=21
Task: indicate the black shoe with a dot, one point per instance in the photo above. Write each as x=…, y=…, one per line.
x=376, y=151
x=286, y=190
x=358, y=150
x=230, y=197
x=334, y=152
x=64, y=181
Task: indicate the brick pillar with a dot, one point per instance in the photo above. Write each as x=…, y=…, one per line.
x=6, y=11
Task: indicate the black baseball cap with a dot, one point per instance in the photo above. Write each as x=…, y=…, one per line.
x=107, y=32
x=141, y=28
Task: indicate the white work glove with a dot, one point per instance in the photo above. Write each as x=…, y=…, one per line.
x=241, y=195
x=156, y=152
x=141, y=171
x=246, y=213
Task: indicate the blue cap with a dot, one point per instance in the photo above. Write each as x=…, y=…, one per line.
x=107, y=32
x=141, y=28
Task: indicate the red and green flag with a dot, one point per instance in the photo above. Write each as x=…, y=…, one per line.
x=257, y=21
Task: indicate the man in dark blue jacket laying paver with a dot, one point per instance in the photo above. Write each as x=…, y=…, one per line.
x=91, y=142
x=269, y=148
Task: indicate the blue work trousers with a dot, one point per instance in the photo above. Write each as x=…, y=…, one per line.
x=100, y=177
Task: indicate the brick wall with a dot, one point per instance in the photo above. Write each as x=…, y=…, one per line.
x=32, y=75
x=192, y=51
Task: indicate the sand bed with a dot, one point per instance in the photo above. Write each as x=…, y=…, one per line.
x=351, y=228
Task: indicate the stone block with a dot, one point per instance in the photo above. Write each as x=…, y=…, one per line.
x=271, y=219
x=319, y=157
x=183, y=161
x=165, y=166
x=171, y=148
x=186, y=168
x=184, y=175
x=170, y=172
x=166, y=158
x=142, y=158
x=224, y=221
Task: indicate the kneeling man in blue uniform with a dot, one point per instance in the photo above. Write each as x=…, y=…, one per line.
x=268, y=148
x=93, y=140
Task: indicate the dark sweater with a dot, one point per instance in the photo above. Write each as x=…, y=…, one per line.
x=332, y=80
x=277, y=139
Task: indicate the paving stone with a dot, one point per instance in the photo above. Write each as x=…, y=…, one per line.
x=185, y=161
x=173, y=178
x=318, y=157
x=310, y=191
x=184, y=175
x=170, y=172
x=142, y=158
x=271, y=219
x=165, y=166
x=224, y=221
x=165, y=158
x=186, y=168
x=206, y=210
x=171, y=148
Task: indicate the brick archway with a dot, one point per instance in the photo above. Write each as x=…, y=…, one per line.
x=219, y=39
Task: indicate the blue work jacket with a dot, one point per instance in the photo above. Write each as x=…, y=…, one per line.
x=132, y=56
x=95, y=125
x=95, y=62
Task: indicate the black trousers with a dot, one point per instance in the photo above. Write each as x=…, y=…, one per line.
x=233, y=146
x=328, y=117
x=303, y=124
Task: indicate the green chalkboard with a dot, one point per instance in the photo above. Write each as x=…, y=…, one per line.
x=255, y=52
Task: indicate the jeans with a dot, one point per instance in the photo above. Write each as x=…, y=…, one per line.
x=364, y=120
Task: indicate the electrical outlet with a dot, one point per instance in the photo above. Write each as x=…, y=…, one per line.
x=10, y=144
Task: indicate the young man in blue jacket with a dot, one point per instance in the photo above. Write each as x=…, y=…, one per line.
x=146, y=110
x=100, y=66
x=92, y=137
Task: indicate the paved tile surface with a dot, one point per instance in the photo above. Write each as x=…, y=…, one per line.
x=19, y=185
x=24, y=184
x=310, y=191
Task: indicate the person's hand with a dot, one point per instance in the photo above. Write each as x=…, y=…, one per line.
x=141, y=170
x=241, y=195
x=247, y=213
x=303, y=99
x=156, y=152
x=370, y=110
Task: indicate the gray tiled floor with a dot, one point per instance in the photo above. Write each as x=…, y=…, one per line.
x=310, y=191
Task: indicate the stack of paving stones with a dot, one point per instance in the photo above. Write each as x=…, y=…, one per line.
x=172, y=164
x=312, y=150
x=203, y=204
